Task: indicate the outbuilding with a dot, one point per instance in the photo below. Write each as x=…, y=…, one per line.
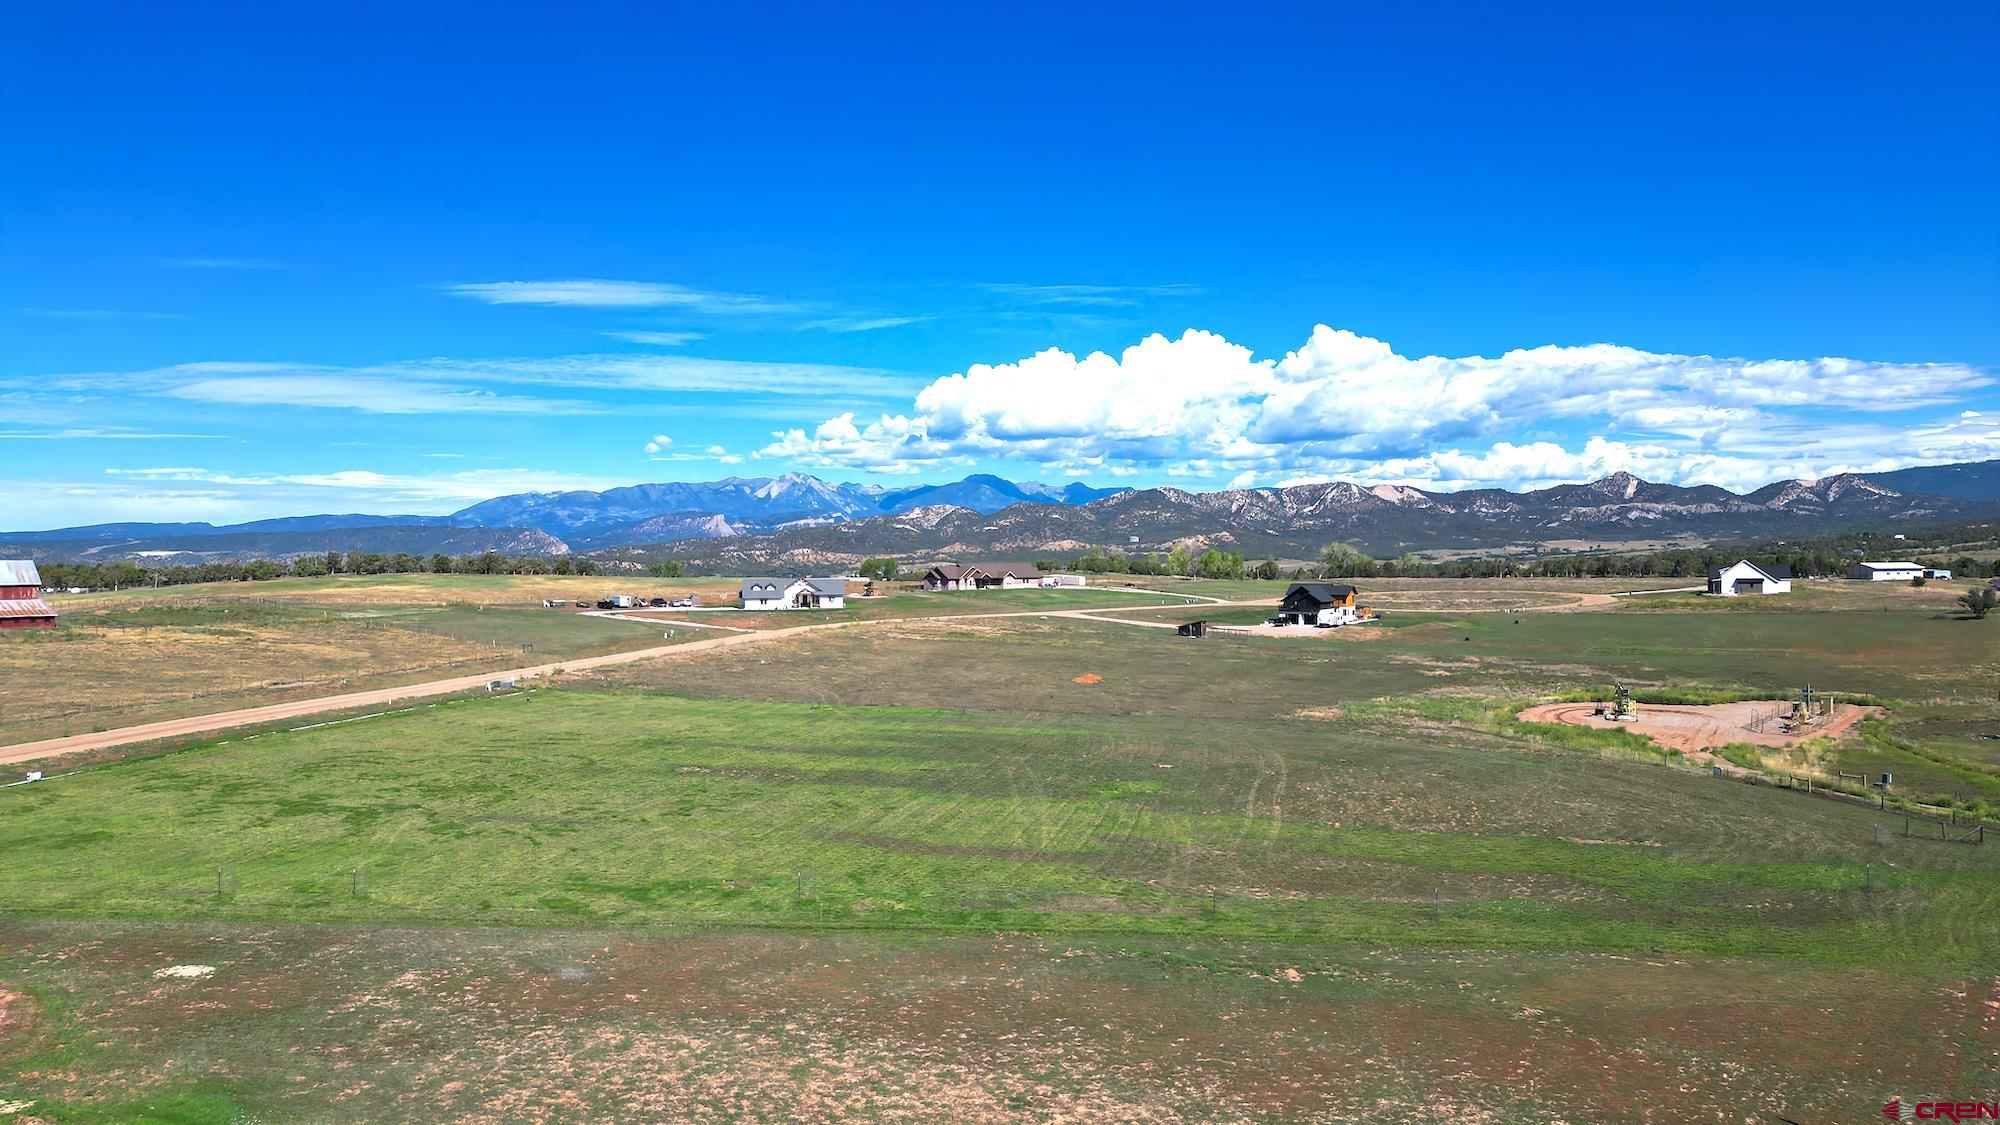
x=1319, y=603
x=1884, y=571
x=1746, y=577
x=21, y=604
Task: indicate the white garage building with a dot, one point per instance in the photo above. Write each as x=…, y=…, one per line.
x=1885, y=571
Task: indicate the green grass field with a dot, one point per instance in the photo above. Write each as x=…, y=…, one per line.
x=793, y=816
x=916, y=868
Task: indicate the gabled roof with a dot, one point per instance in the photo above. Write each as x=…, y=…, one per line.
x=824, y=587
x=19, y=572
x=26, y=607
x=1774, y=572
x=1325, y=593
x=952, y=572
x=763, y=589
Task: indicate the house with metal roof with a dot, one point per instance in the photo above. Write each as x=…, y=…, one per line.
x=1319, y=603
x=21, y=604
x=1746, y=577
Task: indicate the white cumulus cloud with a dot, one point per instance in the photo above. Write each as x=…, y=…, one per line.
x=1350, y=404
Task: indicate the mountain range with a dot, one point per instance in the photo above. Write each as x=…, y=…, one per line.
x=1384, y=520
x=745, y=521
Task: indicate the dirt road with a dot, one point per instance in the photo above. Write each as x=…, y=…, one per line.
x=253, y=716
x=257, y=716
x=276, y=712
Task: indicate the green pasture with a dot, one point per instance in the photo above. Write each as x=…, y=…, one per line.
x=565, y=809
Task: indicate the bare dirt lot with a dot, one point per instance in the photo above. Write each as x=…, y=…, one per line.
x=1686, y=728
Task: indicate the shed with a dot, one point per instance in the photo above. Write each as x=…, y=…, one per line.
x=1194, y=629
x=1884, y=571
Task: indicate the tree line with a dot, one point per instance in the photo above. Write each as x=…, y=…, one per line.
x=1340, y=560
x=123, y=574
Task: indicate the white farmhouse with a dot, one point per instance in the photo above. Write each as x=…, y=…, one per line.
x=1885, y=571
x=1746, y=577
x=821, y=593
x=793, y=593
x=766, y=593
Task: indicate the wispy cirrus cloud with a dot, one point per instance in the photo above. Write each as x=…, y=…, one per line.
x=1088, y=295
x=658, y=339
x=468, y=484
x=99, y=434
x=192, y=492
x=864, y=323
x=370, y=394
x=588, y=384
x=599, y=293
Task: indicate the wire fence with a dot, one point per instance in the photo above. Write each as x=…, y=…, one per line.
x=1921, y=819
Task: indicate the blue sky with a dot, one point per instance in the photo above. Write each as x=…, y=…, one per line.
x=271, y=259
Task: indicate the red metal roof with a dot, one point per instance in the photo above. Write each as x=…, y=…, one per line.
x=31, y=607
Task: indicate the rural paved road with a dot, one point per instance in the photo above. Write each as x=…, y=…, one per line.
x=255, y=716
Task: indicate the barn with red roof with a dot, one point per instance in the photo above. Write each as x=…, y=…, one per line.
x=21, y=604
